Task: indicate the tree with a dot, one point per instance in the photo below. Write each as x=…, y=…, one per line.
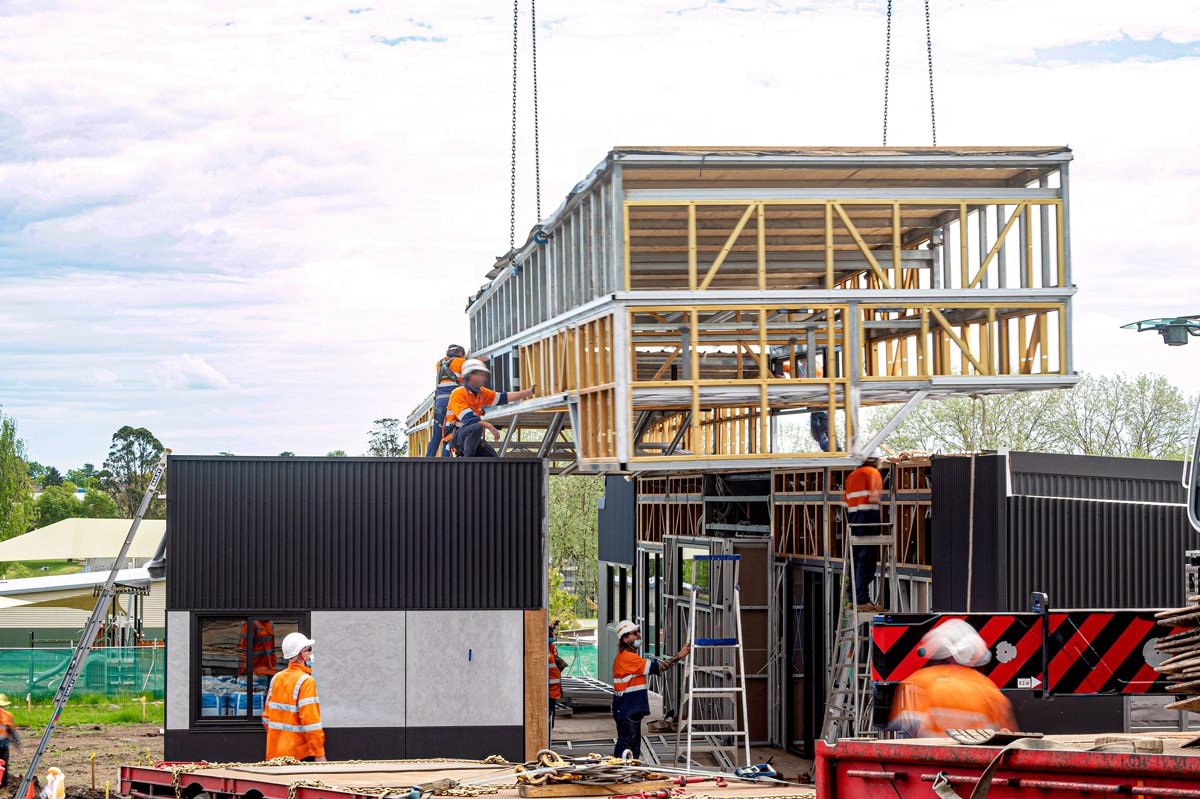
x=384, y=439
x=131, y=460
x=336, y=453
x=58, y=502
x=53, y=477
x=572, y=530
x=36, y=472
x=1141, y=417
x=98, y=505
x=16, y=501
x=562, y=602
x=85, y=476
x=286, y=454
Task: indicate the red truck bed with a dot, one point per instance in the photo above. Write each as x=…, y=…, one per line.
x=856, y=769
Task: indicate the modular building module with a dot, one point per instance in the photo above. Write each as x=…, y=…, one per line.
x=684, y=301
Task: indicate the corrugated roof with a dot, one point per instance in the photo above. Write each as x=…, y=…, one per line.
x=68, y=582
x=80, y=539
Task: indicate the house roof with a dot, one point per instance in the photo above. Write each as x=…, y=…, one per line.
x=79, y=539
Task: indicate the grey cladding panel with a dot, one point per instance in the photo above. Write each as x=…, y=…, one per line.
x=359, y=666
x=465, y=669
x=179, y=637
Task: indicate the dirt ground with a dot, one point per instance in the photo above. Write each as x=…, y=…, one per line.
x=71, y=750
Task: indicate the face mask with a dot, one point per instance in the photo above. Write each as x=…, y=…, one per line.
x=637, y=642
x=310, y=660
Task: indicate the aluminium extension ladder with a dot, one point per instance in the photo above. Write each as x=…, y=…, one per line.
x=849, y=704
x=104, y=599
x=722, y=728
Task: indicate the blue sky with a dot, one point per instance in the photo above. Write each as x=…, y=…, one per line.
x=253, y=227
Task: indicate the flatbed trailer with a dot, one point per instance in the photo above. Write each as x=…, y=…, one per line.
x=861, y=769
x=372, y=780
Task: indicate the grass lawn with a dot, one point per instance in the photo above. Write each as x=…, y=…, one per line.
x=79, y=714
x=53, y=567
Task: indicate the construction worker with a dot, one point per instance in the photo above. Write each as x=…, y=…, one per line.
x=555, y=666
x=950, y=694
x=8, y=737
x=292, y=714
x=863, y=490
x=449, y=377
x=465, y=424
x=818, y=421
x=263, y=663
x=631, y=702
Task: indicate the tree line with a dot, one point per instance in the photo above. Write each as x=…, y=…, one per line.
x=1144, y=416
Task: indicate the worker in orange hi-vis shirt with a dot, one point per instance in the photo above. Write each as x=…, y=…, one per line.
x=950, y=694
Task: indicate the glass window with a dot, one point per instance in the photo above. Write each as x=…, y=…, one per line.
x=238, y=657
x=703, y=586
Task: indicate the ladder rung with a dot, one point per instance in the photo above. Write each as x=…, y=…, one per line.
x=712, y=669
x=716, y=691
x=716, y=642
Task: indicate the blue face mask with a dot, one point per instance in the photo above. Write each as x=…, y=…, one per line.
x=310, y=660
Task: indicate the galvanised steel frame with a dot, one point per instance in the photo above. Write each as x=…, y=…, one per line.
x=683, y=302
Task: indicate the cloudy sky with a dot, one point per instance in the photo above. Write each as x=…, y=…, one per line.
x=252, y=227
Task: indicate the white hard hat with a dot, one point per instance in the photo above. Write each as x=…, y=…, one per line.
x=474, y=365
x=293, y=643
x=955, y=640
x=624, y=628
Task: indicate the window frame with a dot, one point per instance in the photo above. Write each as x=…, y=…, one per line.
x=196, y=654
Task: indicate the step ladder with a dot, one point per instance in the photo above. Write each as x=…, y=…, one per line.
x=849, y=704
x=713, y=718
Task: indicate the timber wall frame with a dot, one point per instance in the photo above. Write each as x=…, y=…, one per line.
x=683, y=303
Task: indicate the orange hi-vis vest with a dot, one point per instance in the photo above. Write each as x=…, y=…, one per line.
x=449, y=371
x=555, y=674
x=262, y=652
x=467, y=406
x=862, y=482
x=630, y=696
x=292, y=715
x=950, y=697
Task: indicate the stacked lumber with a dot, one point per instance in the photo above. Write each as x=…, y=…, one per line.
x=1182, y=651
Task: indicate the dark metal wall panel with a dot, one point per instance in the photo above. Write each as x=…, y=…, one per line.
x=616, y=525
x=957, y=542
x=1086, y=477
x=1089, y=554
x=355, y=533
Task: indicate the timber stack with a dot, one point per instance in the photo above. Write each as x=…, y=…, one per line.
x=1182, y=651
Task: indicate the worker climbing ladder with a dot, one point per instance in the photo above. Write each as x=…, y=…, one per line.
x=849, y=708
x=713, y=717
x=104, y=599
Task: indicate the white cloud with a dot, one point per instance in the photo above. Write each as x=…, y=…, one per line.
x=189, y=372
x=303, y=206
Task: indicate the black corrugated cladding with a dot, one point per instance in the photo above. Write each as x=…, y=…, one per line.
x=1089, y=554
x=616, y=525
x=951, y=537
x=1100, y=542
x=355, y=533
x=1040, y=474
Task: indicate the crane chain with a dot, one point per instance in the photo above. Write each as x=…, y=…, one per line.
x=512, y=183
x=887, y=71
x=537, y=145
x=929, y=53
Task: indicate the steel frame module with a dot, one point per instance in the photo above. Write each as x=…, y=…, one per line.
x=683, y=300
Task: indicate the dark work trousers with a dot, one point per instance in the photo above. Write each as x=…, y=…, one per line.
x=4, y=757
x=818, y=428
x=469, y=443
x=440, y=403
x=629, y=736
x=553, y=704
x=865, y=558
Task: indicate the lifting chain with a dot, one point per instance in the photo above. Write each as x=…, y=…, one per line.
x=537, y=145
x=512, y=183
x=929, y=52
x=887, y=72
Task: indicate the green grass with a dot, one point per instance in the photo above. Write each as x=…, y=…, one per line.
x=83, y=713
x=33, y=568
